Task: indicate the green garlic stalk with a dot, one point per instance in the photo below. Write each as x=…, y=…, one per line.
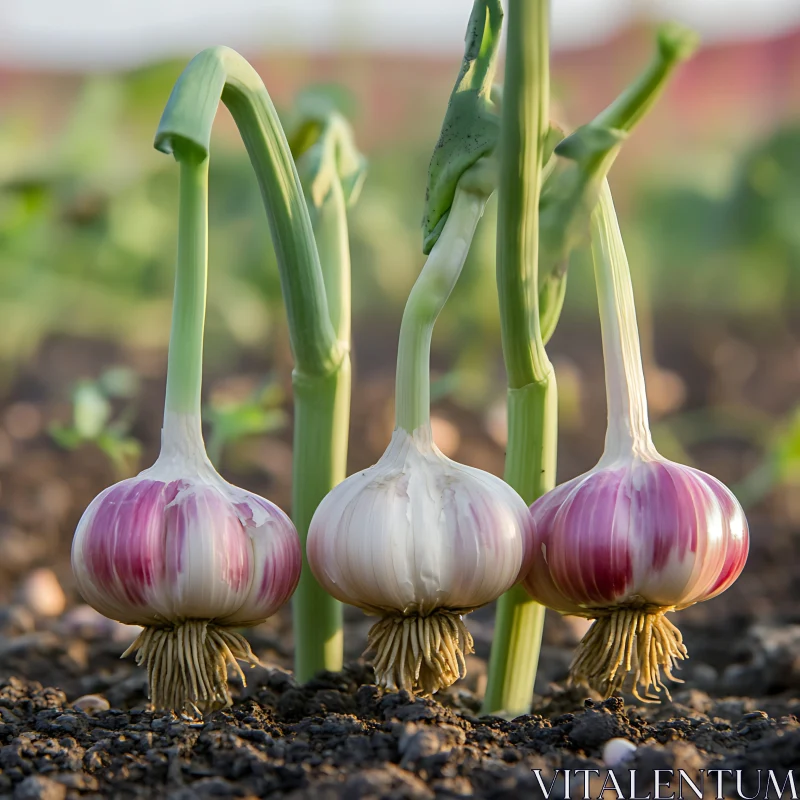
x=332, y=172
x=177, y=549
x=532, y=405
x=582, y=160
x=535, y=238
x=321, y=376
x=471, y=126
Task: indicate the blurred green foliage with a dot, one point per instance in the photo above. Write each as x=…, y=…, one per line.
x=232, y=419
x=94, y=421
x=737, y=254
x=88, y=235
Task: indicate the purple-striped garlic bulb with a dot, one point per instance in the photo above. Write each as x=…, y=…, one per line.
x=191, y=558
x=637, y=536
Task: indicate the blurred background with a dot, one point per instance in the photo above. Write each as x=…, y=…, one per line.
x=708, y=191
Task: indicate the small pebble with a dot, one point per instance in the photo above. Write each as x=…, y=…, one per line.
x=91, y=703
x=42, y=593
x=617, y=751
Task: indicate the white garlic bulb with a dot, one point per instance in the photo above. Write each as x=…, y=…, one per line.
x=421, y=532
x=420, y=540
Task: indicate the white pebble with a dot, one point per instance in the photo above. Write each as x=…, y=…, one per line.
x=42, y=593
x=617, y=751
x=91, y=703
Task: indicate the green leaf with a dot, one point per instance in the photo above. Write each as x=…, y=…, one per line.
x=65, y=436
x=582, y=160
x=471, y=126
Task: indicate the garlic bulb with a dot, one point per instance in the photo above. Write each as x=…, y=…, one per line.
x=637, y=536
x=190, y=557
x=177, y=549
x=417, y=538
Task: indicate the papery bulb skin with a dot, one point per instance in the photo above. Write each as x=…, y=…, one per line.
x=643, y=528
x=635, y=537
x=419, y=540
x=188, y=556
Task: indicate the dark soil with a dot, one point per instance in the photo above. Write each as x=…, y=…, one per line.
x=339, y=736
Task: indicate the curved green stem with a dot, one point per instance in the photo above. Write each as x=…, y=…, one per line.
x=221, y=73
x=675, y=44
x=427, y=298
x=322, y=373
x=570, y=190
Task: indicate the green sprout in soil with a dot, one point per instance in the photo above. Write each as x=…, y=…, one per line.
x=96, y=421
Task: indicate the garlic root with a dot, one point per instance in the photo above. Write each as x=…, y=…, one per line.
x=637, y=641
x=187, y=664
x=421, y=654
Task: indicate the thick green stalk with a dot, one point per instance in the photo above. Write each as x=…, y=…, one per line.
x=321, y=375
x=532, y=406
x=185, y=363
x=321, y=426
x=427, y=298
x=322, y=407
x=331, y=172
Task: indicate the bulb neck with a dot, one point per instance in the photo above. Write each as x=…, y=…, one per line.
x=418, y=443
x=628, y=429
x=185, y=361
x=427, y=298
x=183, y=453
